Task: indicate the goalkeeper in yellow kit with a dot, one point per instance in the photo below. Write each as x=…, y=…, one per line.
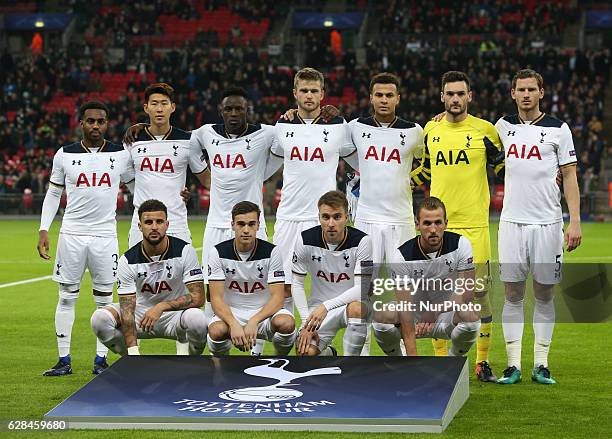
x=457, y=150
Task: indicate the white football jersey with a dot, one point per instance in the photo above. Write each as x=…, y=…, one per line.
x=310, y=157
x=385, y=161
x=534, y=153
x=160, y=167
x=246, y=282
x=332, y=272
x=237, y=167
x=410, y=262
x=159, y=278
x=92, y=181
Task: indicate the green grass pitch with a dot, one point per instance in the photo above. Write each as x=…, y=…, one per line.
x=579, y=406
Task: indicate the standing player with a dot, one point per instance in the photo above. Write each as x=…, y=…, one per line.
x=160, y=289
x=246, y=281
x=385, y=146
x=457, y=151
x=339, y=261
x=91, y=171
x=161, y=155
x=531, y=226
x=310, y=149
x=237, y=153
x=433, y=259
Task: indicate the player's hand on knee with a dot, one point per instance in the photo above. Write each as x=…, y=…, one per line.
x=328, y=112
x=290, y=114
x=43, y=244
x=132, y=133
x=304, y=340
x=150, y=318
x=250, y=333
x=316, y=317
x=573, y=236
x=238, y=337
x=438, y=117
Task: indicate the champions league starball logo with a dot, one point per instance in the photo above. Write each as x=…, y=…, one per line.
x=275, y=370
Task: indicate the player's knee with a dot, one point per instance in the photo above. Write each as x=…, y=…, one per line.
x=514, y=291
x=218, y=331
x=543, y=292
x=68, y=291
x=194, y=319
x=283, y=323
x=469, y=327
x=356, y=310
x=101, y=289
x=101, y=321
x=104, y=299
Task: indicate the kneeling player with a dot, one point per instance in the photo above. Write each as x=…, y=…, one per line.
x=434, y=274
x=247, y=284
x=161, y=290
x=339, y=260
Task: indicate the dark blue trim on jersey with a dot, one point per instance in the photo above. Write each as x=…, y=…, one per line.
x=113, y=147
x=411, y=250
x=136, y=254
x=220, y=130
x=549, y=122
x=513, y=119
x=314, y=237
x=546, y=122
x=75, y=148
x=227, y=250
x=297, y=120
x=173, y=134
x=399, y=123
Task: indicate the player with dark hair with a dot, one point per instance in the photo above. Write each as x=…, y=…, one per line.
x=161, y=155
x=160, y=288
x=537, y=146
x=458, y=149
x=246, y=284
x=386, y=145
x=90, y=171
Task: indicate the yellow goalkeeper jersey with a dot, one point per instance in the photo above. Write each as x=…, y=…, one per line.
x=455, y=162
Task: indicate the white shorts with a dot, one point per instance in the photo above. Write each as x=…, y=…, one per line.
x=335, y=320
x=215, y=235
x=386, y=238
x=264, y=329
x=168, y=326
x=75, y=253
x=285, y=235
x=530, y=247
x=135, y=235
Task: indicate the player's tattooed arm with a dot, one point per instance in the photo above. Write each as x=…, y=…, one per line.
x=195, y=298
x=127, y=304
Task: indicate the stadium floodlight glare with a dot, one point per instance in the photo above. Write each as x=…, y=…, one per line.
x=39, y=23
x=328, y=22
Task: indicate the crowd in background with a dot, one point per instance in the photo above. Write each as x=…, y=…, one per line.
x=575, y=81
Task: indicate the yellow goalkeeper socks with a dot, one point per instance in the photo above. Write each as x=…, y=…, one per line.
x=483, y=344
x=440, y=346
